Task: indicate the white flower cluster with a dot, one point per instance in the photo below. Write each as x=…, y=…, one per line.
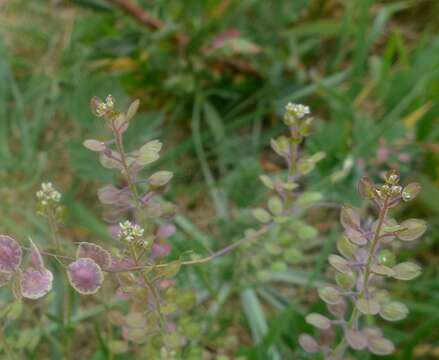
x=129, y=231
x=106, y=106
x=298, y=110
x=48, y=194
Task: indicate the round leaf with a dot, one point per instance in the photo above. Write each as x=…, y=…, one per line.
x=412, y=229
x=393, y=311
x=308, y=343
x=339, y=263
x=93, y=251
x=262, y=215
x=85, y=276
x=10, y=254
x=329, y=295
x=319, y=321
x=94, y=145
x=367, y=306
x=35, y=284
x=356, y=339
x=380, y=346
x=406, y=271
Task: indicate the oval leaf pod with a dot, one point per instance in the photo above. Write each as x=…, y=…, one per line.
x=10, y=254
x=35, y=283
x=85, y=276
x=95, y=252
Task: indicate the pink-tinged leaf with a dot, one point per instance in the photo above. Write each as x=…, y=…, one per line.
x=159, y=250
x=110, y=195
x=36, y=258
x=165, y=231
x=93, y=251
x=123, y=294
x=10, y=254
x=120, y=265
x=94, y=145
x=85, y=276
x=4, y=278
x=35, y=284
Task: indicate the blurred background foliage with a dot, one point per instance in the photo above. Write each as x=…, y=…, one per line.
x=213, y=77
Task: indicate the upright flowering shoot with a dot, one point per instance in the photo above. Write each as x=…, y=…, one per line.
x=365, y=259
x=286, y=199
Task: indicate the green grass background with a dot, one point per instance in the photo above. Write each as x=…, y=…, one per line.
x=368, y=69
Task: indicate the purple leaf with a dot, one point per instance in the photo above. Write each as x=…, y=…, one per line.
x=101, y=256
x=120, y=265
x=165, y=231
x=10, y=254
x=4, y=278
x=159, y=250
x=35, y=284
x=85, y=276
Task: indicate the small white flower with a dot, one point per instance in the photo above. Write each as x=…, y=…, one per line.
x=106, y=106
x=129, y=231
x=298, y=110
x=48, y=194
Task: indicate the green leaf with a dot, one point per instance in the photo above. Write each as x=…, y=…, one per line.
x=380, y=346
x=411, y=191
x=339, y=263
x=262, y=215
x=393, y=311
x=275, y=205
x=367, y=306
x=160, y=178
x=412, y=229
x=319, y=321
x=149, y=152
x=329, y=295
x=406, y=271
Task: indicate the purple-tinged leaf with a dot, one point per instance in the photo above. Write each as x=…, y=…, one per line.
x=356, y=236
x=349, y=218
x=339, y=309
x=159, y=250
x=165, y=231
x=85, y=276
x=120, y=265
x=160, y=178
x=110, y=195
x=319, y=321
x=93, y=251
x=4, y=278
x=94, y=145
x=394, y=311
x=339, y=263
x=356, y=339
x=308, y=343
x=35, y=283
x=10, y=254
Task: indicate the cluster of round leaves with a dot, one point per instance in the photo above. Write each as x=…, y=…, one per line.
x=355, y=259
x=31, y=282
